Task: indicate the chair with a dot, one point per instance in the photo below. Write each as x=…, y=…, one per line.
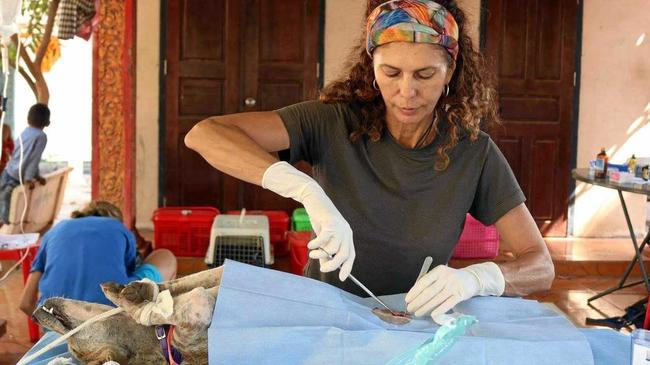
x=43, y=204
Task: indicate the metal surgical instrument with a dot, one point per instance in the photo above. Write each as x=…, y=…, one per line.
x=425, y=267
x=356, y=281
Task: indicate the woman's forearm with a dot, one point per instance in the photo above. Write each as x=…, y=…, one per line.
x=531, y=272
x=532, y=268
x=229, y=149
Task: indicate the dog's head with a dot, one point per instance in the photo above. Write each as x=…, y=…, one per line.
x=117, y=338
x=61, y=315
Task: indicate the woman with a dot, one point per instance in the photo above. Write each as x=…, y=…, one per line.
x=79, y=254
x=398, y=160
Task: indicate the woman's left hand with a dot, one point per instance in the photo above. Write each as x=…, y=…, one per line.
x=443, y=287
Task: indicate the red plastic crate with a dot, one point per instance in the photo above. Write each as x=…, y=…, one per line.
x=278, y=226
x=477, y=241
x=185, y=231
x=299, y=252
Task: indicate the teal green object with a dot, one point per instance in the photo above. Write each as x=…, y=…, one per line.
x=435, y=346
x=300, y=220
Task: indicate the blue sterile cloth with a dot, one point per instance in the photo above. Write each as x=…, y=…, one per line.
x=608, y=346
x=57, y=351
x=269, y=317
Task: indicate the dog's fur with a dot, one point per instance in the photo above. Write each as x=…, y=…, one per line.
x=121, y=338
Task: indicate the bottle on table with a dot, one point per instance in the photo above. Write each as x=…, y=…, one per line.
x=601, y=164
x=631, y=165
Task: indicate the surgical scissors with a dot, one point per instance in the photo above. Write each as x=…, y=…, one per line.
x=356, y=281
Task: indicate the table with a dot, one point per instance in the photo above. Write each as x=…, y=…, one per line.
x=644, y=189
x=17, y=254
x=607, y=346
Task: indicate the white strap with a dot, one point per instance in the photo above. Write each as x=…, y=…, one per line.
x=163, y=304
x=61, y=339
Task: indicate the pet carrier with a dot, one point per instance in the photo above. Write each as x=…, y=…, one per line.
x=300, y=220
x=185, y=231
x=278, y=226
x=299, y=252
x=243, y=238
x=477, y=241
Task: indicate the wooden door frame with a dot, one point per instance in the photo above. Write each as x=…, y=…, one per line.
x=573, y=139
x=162, y=99
x=162, y=109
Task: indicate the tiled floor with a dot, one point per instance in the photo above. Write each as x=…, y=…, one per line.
x=583, y=267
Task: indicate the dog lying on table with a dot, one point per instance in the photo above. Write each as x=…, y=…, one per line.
x=126, y=341
x=320, y=317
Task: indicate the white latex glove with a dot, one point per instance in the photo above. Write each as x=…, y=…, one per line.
x=333, y=233
x=443, y=287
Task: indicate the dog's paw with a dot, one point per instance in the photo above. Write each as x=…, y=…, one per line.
x=139, y=291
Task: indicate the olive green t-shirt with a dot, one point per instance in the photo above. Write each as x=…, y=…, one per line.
x=399, y=207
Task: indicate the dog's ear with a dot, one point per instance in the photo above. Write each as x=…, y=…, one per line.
x=112, y=291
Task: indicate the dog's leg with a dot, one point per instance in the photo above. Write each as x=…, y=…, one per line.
x=141, y=291
x=193, y=318
x=193, y=308
x=207, y=279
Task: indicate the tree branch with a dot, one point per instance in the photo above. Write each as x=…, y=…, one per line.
x=25, y=75
x=47, y=34
x=32, y=84
x=24, y=55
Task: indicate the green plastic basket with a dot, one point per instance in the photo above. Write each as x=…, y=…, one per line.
x=300, y=220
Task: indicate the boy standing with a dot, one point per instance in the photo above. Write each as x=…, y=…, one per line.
x=33, y=144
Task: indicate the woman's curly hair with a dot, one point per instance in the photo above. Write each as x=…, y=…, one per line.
x=472, y=97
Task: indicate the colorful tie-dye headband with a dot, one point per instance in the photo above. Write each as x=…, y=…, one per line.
x=419, y=21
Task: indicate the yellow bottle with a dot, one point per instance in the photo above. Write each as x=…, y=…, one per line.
x=631, y=165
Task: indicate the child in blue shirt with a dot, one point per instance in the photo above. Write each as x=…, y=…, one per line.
x=94, y=247
x=33, y=145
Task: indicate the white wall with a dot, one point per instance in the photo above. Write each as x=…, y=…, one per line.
x=344, y=25
x=614, y=108
x=146, y=110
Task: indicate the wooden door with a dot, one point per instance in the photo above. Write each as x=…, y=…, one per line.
x=219, y=54
x=280, y=68
x=531, y=45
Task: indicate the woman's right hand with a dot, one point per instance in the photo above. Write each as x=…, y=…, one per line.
x=333, y=244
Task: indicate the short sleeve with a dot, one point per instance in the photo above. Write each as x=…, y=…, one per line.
x=39, y=261
x=309, y=125
x=498, y=190
x=31, y=168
